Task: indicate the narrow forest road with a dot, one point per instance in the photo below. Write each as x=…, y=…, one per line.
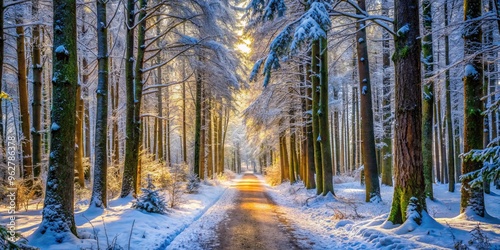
x=253, y=222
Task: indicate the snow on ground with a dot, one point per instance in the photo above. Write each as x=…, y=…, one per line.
x=347, y=222
x=114, y=225
x=201, y=234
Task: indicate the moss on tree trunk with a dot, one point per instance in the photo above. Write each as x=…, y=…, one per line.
x=408, y=165
x=472, y=197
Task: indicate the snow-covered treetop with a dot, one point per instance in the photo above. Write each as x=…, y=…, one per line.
x=310, y=26
x=267, y=11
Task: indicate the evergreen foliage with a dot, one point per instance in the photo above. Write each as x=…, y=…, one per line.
x=150, y=200
x=193, y=183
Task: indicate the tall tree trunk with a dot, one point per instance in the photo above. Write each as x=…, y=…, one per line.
x=23, y=98
x=408, y=165
x=386, y=105
x=324, y=133
x=80, y=112
x=285, y=164
x=159, y=138
x=197, y=126
x=79, y=135
x=130, y=168
x=220, y=145
x=138, y=85
x=311, y=170
x=37, y=93
x=58, y=216
x=203, y=132
x=472, y=196
x=438, y=164
x=315, y=118
x=440, y=151
x=216, y=117
x=449, y=126
x=114, y=106
x=293, y=154
x=428, y=97
x=86, y=120
x=354, y=144
x=224, y=129
x=184, y=139
x=99, y=188
x=167, y=129
x=367, y=131
x=208, y=140
x=336, y=132
x=488, y=65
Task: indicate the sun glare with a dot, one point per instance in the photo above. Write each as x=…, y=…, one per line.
x=243, y=48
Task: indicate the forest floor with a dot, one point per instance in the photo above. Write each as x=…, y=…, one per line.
x=247, y=213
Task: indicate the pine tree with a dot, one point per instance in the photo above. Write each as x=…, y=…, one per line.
x=130, y=163
x=58, y=224
x=99, y=188
x=408, y=166
x=472, y=196
x=150, y=200
x=428, y=97
x=37, y=94
x=367, y=130
x=22, y=77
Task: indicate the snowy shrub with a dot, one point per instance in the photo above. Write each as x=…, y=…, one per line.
x=457, y=244
x=175, y=186
x=27, y=190
x=86, y=167
x=479, y=239
x=114, y=181
x=153, y=168
x=339, y=179
x=150, y=200
x=82, y=195
x=226, y=175
x=7, y=244
x=193, y=183
x=163, y=179
x=273, y=175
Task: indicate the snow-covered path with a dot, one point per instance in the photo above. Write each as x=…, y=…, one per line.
x=200, y=234
x=244, y=218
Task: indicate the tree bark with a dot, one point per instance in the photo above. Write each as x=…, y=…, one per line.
x=23, y=98
x=472, y=196
x=80, y=178
x=130, y=168
x=367, y=131
x=293, y=154
x=99, y=187
x=37, y=94
x=324, y=133
x=427, y=97
x=159, y=138
x=197, y=126
x=315, y=118
x=448, y=115
x=386, y=105
x=58, y=216
x=408, y=165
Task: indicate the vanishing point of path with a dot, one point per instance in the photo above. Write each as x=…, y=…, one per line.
x=253, y=223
